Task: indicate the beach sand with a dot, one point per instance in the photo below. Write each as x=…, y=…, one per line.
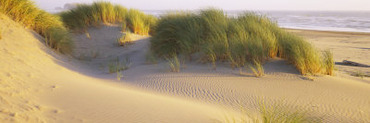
x=38, y=84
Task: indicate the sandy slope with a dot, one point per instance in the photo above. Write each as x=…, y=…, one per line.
x=35, y=86
x=340, y=98
x=39, y=85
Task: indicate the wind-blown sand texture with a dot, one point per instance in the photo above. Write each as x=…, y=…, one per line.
x=39, y=85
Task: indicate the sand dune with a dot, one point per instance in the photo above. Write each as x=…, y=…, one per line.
x=340, y=98
x=36, y=87
x=39, y=85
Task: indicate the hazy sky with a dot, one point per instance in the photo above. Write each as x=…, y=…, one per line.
x=354, y=5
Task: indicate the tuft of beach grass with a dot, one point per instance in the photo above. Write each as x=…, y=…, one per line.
x=257, y=68
x=98, y=13
x=275, y=113
x=174, y=64
x=125, y=39
x=328, y=62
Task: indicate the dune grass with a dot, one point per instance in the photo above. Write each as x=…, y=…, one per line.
x=140, y=23
x=283, y=114
x=47, y=25
x=85, y=15
x=328, y=62
x=257, y=69
x=124, y=26
x=300, y=53
x=276, y=113
x=174, y=63
x=185, y=40
x=97, y=13
x=247, y=38
x=125, y=39
x=117, y=65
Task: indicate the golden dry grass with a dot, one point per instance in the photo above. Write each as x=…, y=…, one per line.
x=97, y=13
x=247, y=38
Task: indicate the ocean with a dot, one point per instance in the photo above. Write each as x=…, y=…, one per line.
x=343, y=21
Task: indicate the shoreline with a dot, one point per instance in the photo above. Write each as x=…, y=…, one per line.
x=328, y=31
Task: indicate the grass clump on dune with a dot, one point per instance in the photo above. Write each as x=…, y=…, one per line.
x=140, y=23
x=279, y=113
x=328, y=62
x=125, y=39
x=97, y=13
x=47, y=25
x=276, y=113
x=117, y=66
x=247, y=38
x=85, y=15
x=257, y=69
x=174, y=64
x=300, y=53
x=186, y=40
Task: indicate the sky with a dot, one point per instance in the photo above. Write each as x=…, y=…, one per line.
x=302, y=5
